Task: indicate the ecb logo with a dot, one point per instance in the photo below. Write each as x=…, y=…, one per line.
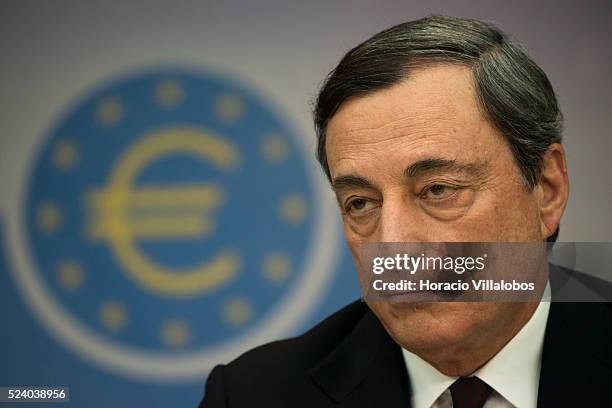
x=170, y=221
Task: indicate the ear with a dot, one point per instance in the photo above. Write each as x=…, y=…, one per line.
x=553, y=189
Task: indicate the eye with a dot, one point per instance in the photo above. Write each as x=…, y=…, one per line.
x=445, y=201
x=438, y=192
x=359, y=206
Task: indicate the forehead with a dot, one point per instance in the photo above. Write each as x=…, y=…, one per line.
x=435, y=110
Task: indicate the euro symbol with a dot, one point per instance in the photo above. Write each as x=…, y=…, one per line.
x=121, y=214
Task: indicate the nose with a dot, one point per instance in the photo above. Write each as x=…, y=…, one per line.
x=400, y=221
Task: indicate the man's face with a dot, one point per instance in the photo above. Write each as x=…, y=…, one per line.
x=419, y=162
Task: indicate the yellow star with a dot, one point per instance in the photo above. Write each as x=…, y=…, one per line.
x=237, y=311
x=274, y=149
x=65, y=155
x=70, y=275
x=276, y=267
x=293, y=209
x=113, y=316
x=109, y=111
x=229, y=107
x=48, y=217
x=175, y=333
x=169, y=93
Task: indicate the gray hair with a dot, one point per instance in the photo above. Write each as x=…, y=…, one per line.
x=513, y=92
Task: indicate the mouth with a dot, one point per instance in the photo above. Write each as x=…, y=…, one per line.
x=410, y=296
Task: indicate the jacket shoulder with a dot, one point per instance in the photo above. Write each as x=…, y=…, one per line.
x=277, y=372
x=306, y=349
x=590, y=324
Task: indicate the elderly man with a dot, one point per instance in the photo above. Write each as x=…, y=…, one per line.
x=437, y=130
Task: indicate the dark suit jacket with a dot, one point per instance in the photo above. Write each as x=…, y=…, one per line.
x=349, y=360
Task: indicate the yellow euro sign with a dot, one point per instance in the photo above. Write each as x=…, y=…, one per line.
x=121, y=213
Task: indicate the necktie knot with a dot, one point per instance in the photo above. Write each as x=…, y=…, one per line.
x=469, y=392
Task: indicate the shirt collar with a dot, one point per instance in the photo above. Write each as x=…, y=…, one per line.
x=514, y=372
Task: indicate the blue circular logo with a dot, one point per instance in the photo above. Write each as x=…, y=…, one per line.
x=171, y=214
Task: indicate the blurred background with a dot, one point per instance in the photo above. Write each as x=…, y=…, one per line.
x=161, y=210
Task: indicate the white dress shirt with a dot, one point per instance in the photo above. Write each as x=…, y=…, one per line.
x=513, y=373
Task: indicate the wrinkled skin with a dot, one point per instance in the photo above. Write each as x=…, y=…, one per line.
x=420, y=162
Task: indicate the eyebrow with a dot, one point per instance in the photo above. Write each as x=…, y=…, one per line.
x=436, y=164
x=414, y=170
x=351, y=181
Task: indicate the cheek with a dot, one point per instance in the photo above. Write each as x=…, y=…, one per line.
x=518, y=218
x=509, y=215
x=353, y=240
x=355, y=243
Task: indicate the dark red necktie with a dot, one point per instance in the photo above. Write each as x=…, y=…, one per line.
x=470, y=392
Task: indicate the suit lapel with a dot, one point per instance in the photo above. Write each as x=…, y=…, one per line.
x=387, y=383
x=366, y=369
